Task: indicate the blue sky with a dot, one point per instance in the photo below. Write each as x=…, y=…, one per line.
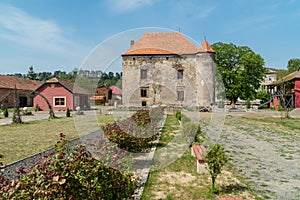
x=59, y=34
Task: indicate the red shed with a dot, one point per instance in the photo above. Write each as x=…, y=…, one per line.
x=61, y=94
x=287, y=91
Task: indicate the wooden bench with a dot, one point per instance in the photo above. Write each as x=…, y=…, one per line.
x=198, y=151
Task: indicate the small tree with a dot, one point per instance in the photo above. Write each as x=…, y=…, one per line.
x=190, y=131
x=215, y=159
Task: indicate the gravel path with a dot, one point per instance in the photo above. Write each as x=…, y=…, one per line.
x=266, y=155
x=36, y=116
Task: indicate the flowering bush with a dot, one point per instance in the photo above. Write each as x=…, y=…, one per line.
x=69, y=174
x=136, y=133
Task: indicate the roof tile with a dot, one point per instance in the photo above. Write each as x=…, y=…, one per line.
x=165, y=43
x=10, y=82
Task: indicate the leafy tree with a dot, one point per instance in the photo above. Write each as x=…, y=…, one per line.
x=293, y=64
x=118, y=76
x=110, y=75
x=263, y=95
x=281, y=73
x=31, y=74
x=43, y=76
x=241, y=70
x=215, y=159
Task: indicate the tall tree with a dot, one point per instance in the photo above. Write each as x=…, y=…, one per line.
x=293, y=64
x=31, y=73
x=240, y=68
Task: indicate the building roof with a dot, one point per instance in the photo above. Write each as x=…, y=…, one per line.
x=115, y=90
x=289, y=77
x=205, y=47
x=70, y=86
x=165, y=43
x=10, y=82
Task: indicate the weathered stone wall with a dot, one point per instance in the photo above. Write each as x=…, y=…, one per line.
x=162, y=83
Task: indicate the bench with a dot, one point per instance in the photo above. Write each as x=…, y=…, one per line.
x=198, y=151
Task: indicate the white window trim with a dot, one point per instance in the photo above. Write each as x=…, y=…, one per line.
x=59, y=105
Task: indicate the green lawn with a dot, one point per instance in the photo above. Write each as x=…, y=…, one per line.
x=180, y=180
x=21, y=140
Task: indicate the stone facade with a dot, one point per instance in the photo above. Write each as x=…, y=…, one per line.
x=169, y=79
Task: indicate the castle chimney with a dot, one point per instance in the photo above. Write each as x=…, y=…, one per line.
x=131, y=42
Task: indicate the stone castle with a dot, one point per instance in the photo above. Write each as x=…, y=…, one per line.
x=166, y=68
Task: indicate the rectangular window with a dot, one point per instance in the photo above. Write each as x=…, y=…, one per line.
x=144, y=92
x=180, y=74
x=144, y=103
x=143, y=74
x=180, y=95
x=59, y=101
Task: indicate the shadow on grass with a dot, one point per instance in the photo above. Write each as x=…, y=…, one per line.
x=233, y=188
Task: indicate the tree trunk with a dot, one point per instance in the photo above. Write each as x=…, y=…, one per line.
x=51, y=112
x=16, y=116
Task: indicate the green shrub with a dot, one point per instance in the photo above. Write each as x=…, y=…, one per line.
x=178, y=115
x=69, y=174
x=68, y=113
x=5, y=113
x=1, y=157
x=215, y=159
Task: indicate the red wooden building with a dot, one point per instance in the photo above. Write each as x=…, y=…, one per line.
x=61, y=95
x=107, y=95
x=286, y=91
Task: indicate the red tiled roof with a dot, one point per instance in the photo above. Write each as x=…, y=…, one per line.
x=10, y=82
x=115, y=90
x=72, y=87
x=205, y=47
x=165, y=43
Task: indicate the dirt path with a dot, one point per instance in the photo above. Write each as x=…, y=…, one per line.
x=266, y=155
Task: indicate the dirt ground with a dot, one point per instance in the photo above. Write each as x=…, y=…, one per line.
x=265, y=154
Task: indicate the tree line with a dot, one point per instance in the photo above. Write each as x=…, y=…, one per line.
x=108, y=79
x=241, y=70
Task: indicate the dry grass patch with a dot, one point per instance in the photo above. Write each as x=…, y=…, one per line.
x=21, y=140
x=179, y=180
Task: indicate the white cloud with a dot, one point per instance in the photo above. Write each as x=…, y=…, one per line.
x=120, y=6
x=31, y=32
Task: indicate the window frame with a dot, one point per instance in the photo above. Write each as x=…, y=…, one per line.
x=143, y=89
x=143, y=73
x=59, y=97
x=144, y=103
x=179, y=73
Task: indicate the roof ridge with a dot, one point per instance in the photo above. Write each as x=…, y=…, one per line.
x=162, y=43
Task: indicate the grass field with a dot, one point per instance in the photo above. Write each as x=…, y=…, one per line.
x=21, y=140
x=180, y=180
